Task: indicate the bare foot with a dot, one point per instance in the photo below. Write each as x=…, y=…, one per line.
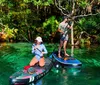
x=59, y=55
x=66, y=55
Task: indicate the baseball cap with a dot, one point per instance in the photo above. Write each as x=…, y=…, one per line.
x=39, y=39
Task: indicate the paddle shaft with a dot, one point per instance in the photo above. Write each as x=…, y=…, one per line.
x=30, y=42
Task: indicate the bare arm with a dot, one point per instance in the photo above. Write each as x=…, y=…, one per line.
x=59, y=30
x=69, y=26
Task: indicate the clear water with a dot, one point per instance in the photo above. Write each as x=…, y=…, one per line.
x=14, y=57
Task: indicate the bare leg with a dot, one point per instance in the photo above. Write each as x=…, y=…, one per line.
x=33, y=61
x=42, y=62
x=60, y=46
x=64, y=46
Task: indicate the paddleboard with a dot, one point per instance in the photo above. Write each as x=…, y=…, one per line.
x=69, y=62
x=32, y=75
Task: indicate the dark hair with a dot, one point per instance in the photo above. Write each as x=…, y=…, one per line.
x=65, y=17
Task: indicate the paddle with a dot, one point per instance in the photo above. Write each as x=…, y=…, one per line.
x=28, y=66
x=65, y=58
x=30, y=42
x=72, y=41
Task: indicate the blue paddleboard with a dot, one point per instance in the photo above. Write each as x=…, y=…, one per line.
x=69, y=62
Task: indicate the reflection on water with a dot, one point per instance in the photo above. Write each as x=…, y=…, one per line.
x=37, y=83
x=14, y=57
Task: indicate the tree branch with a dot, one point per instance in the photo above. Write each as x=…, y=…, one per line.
x=85, y=15
x=61, y=8
x=73, y=8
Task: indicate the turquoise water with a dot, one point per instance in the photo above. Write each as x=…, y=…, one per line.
x=14, y=57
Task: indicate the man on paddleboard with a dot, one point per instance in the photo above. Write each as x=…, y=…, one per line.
x=63, y=29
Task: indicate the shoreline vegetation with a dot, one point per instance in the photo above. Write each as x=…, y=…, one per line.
x=83, y=40
x=23, y=20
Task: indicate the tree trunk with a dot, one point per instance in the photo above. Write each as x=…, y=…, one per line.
x=72, y=39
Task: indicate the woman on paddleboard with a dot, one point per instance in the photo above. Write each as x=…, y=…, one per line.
x=38, y=49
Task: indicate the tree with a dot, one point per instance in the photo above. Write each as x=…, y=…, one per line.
x=77, y=8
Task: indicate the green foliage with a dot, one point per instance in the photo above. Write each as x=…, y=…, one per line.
x=1, y=1
x=10, y=33
x=82, y=42
x=98, y=38
x=43, y=2
x=89, y=24
x=83, y=3
x=51, y=24
x=39, y=17
x=81, y=22
x=40, y=2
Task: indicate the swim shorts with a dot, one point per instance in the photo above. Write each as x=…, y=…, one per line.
x=64, y=38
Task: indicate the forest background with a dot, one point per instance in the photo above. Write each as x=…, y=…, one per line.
x=23, y=20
